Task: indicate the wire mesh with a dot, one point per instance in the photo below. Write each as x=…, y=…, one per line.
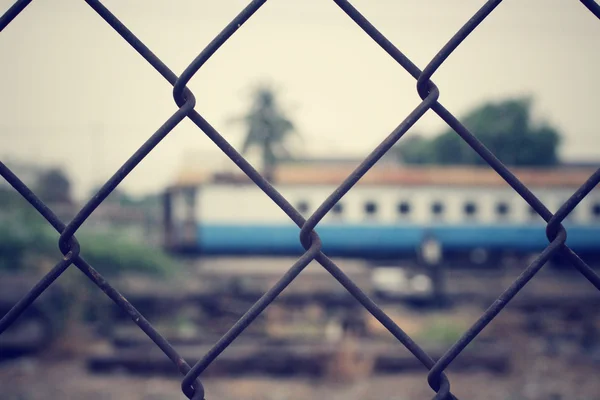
x=185, y=100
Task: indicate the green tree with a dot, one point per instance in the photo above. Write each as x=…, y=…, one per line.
x=53, y=186
x=505, y=128
x=268, y=129
x=414, y=149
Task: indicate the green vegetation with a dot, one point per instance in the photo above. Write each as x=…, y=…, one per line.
x=23, y=244
x=441, y=332
x=23, y=232
x=27, y=241
x=112, y=254
x=29, y=245
x=504, y=127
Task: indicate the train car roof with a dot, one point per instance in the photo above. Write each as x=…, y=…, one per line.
x=400, y=175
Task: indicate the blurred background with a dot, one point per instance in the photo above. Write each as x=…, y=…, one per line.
x=431, y=233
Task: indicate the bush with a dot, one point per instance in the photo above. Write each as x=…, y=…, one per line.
x=115, y=253
x=29, y=245
x=26, y=240
x=442, y=332
x=22, y=235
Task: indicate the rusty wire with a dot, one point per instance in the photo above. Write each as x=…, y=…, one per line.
x=185, y=100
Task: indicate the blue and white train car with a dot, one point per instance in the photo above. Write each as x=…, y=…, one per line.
x=471, y=212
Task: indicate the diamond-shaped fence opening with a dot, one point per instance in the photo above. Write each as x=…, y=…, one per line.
x=185, y=100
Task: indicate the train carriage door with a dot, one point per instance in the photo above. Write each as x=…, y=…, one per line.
x=189, y=222
x=180, y=219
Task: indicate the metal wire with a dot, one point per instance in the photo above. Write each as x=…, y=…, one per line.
x=308, y=237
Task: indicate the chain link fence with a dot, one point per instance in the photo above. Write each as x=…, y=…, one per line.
x=185, y=100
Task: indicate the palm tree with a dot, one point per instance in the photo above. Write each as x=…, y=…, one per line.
x=267, y=128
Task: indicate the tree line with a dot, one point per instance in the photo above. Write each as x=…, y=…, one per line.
x=506, y=127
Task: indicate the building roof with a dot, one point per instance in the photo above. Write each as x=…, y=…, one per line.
x=405, y=175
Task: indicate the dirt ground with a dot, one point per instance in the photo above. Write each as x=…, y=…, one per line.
x=535, y=374
x=532, y=377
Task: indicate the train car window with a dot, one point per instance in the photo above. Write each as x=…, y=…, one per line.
x=470, y=208
x=338, y=208
x=302, y=207
x=596, y=210
x=502, y=209
x=437, y=208
x=403, y=208
x=370, y=207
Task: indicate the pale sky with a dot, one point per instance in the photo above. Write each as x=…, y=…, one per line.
x=75, y=94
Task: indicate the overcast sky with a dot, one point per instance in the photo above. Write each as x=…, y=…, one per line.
x=75, y=94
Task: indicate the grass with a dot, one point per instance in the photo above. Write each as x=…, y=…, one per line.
x=441, y=331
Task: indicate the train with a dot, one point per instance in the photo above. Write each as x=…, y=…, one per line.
x=470, y=213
